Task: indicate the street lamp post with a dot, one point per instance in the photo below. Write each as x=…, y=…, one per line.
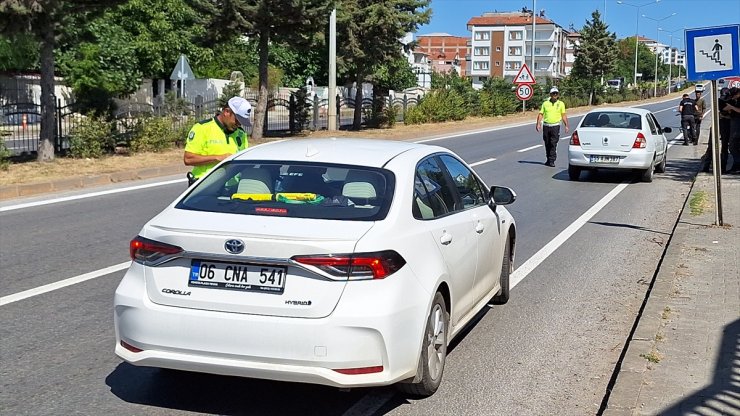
x=637, y=28
x=657, y=32
x=670, y=56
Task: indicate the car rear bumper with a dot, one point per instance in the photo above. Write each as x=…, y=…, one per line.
x=634, y=159
x=368, y=328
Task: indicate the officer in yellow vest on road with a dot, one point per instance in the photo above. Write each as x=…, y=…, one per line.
x=551, y=114
x=213, y=140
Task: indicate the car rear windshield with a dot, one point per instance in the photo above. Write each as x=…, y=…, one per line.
x=298, y=190
x=613, y=119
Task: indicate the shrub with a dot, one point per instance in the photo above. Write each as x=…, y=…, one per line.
x=443, y=105
x=302, y=110
x=391, y=115
x=91, y=138
x=414, y=115
x=154, y=135
x=4, y=155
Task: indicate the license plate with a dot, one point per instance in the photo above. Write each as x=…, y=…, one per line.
x=604, y=159
x=237, y=276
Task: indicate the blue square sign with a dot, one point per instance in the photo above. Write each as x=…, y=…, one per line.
x=712, y=52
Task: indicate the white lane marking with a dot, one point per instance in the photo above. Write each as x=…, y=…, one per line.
x=5, y=300
x=482, y=162
x=522, y=271
x=529, y=148
x=90, y=195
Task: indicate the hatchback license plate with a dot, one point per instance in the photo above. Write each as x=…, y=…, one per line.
x=604, y=159
x=237, y=276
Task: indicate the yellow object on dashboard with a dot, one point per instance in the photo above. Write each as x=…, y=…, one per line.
x=297, y=196
x=253, y=197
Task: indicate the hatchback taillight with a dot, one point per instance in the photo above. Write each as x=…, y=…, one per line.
x=144, y=250
x=574, y=141
x=640, y=142
x=357, y=266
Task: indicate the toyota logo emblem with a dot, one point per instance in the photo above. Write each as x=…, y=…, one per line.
x=234, y=246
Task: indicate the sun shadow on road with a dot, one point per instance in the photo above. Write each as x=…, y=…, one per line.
x=723, y=395
x=213, y=394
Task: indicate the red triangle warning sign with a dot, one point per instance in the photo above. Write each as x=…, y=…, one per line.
x=524, y=76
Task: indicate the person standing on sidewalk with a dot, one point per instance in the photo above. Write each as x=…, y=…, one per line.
x=687, y=109
x=734, y=144
x=724, y=133
x=701, y=107
x=552, y=112
x=213, y=140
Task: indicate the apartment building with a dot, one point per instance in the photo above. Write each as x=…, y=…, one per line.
x=572, y=41
x=446, y=52
x=420, y=61
x=502, y=42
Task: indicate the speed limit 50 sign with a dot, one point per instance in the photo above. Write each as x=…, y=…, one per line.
x=524, y=92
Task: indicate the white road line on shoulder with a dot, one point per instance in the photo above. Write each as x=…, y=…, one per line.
x=522, y=271
x=5, y=300
x=90, y=195
x=529, y=148
x=482, y=162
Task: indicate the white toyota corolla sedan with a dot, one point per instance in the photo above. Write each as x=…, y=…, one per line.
x=618, y=138
x=332, y=261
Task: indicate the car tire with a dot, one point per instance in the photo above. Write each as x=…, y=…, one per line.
x=647, y=174
x=502, y=296
x=574, y=172
x=661, y=166
x=433, y=351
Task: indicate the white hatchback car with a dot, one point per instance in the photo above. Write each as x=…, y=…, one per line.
x=618, y=138
x=340, y=262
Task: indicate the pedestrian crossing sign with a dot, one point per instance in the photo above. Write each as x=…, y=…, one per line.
x=712, y=53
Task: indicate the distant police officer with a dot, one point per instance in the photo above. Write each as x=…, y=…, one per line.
x=701, y=107
x=552, y=112
x=213, y=140
x=734, y=144
x=687, y=109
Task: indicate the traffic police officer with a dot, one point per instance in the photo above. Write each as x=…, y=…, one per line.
x=213, y=140
x=552, y=113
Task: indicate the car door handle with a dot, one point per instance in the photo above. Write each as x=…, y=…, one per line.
x=479, y=227
x=445, y=239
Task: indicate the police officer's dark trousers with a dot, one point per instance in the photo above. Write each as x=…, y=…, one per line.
x=724, y=138
x=551, y=136
x=688, y=124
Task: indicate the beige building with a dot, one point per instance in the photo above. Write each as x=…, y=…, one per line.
x=502, y=42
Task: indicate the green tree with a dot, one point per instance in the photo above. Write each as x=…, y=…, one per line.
x=267, y=21
x=371, y=31
x=18, y=52
x=45, y=21
x=596, y=54
x=394, y=75
x=625, y=62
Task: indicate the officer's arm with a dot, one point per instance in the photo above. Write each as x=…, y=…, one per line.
x=194, y=159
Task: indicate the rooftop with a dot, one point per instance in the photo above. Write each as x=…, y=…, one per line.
x=507, y=19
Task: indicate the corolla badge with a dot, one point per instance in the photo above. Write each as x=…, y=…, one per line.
x=234, y=246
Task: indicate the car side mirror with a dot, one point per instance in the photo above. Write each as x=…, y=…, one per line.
x=501, y=195
x=667, y=129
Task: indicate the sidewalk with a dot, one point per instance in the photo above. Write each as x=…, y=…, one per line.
x=684, y=357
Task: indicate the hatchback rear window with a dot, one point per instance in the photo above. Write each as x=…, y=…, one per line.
x=322, y=191
x=612, y=119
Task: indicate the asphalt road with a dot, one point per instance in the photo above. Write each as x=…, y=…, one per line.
x=550, y=350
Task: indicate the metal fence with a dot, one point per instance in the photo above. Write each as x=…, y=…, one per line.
x=20, y=121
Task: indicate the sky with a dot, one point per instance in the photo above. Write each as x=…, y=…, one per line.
x=451, y=16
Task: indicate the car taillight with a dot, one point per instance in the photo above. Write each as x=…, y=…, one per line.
x=361, y=370
x=357, y=266
x=574, y=141
x=144, y=250
x=640, y=142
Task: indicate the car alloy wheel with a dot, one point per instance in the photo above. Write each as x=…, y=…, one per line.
x=433, y=352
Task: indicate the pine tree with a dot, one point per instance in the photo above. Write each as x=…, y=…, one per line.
x=291, y=21
x=369, y=35
x=596, y=55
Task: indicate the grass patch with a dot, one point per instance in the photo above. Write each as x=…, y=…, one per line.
x=698, y=203
x=652, y=356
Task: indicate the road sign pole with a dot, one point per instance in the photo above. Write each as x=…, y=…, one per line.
x=716, y=160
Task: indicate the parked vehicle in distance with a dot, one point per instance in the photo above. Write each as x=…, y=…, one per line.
x=616, y=83
x=618, y=138
x=344, y=262
x=699, y=87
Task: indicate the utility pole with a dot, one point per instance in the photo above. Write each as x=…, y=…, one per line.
x=332, y=122
x=531, y=63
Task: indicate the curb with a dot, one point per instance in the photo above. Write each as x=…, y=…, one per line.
x=31, y=189
x=625, y=394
